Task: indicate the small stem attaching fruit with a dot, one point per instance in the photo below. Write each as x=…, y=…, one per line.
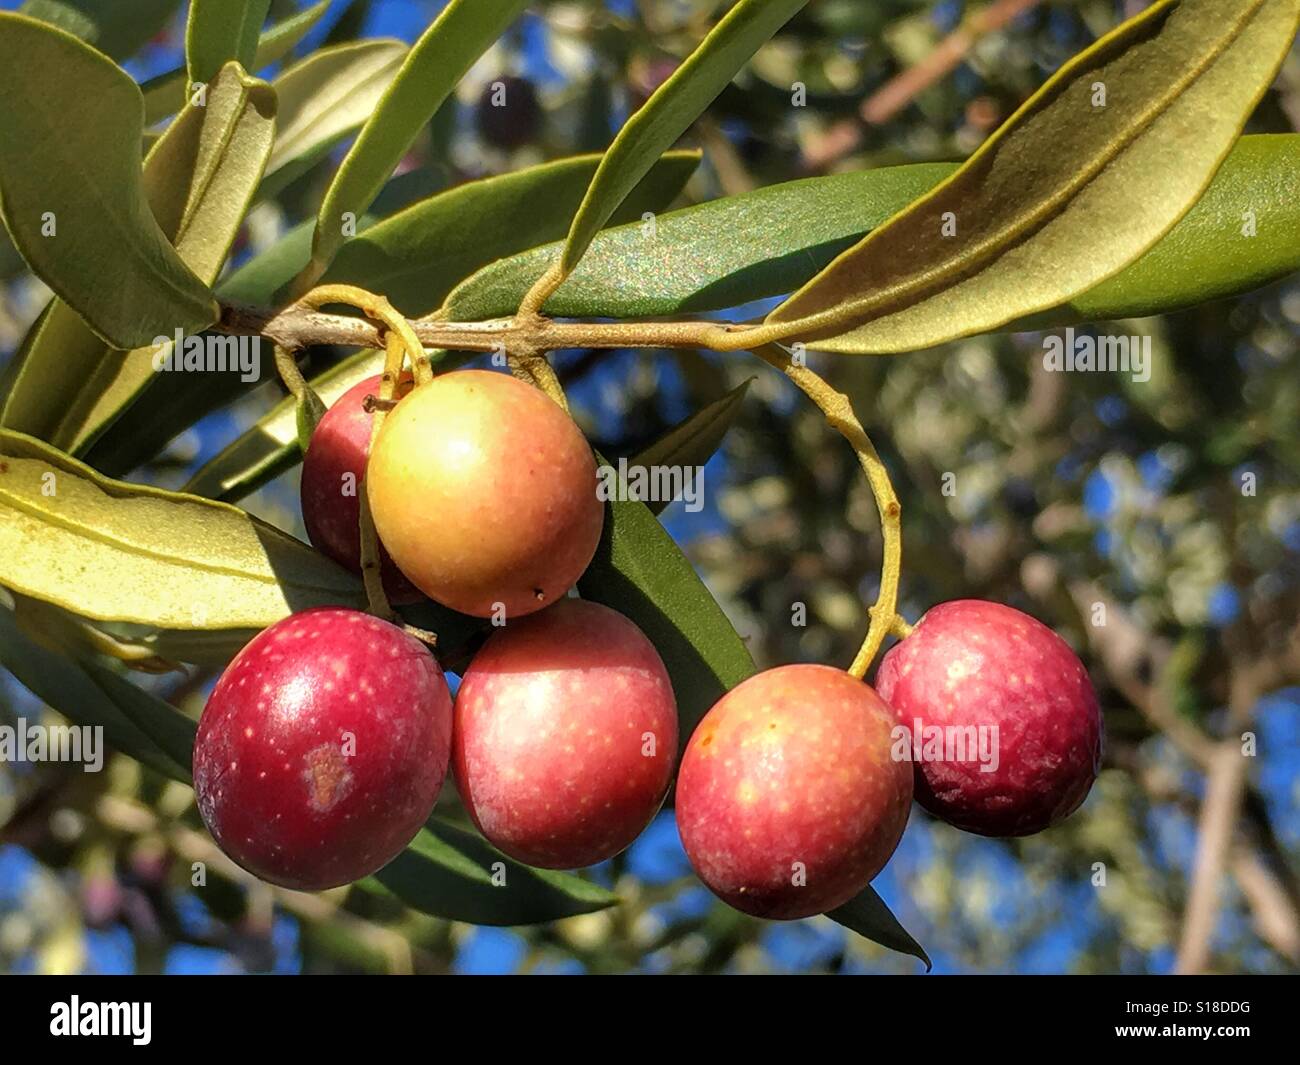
x=839, y=414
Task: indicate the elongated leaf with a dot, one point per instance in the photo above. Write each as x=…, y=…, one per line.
x=677, y=103
x=91, y=695
x=70, y=182
x=640, y=572
x=449, y=872
x=165, y=94
x=1025, y=225
x=219, y=31
x=1243, y=233
x=200, y=178
x=328, y=95
x=120, y=552
x=723, y=253
x=868, y=915
x=118, y=28
x=771, y=241
x=414, y=257
x=693, y=441
x=461, y=33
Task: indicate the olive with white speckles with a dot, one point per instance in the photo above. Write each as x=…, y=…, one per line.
x=565, y=736
x=322, y=748
x=484, y=492
x=1002, y=718
x=332, y=472
x=788, y=799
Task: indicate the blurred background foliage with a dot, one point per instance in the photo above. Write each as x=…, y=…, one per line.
x=1174, y=505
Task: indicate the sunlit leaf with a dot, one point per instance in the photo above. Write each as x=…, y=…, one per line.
x=113, y=551
x=1070, y=190
x=328, y=95
x=218, y=31
x=677, y=103
x=165, y=94
x=461, y=33
x=73, y=198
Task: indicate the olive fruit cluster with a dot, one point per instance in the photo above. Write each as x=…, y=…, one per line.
x=325, y=743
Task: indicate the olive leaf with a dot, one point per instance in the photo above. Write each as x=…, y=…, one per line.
x=771, y=241
x=72, y=193
x=323, y=98
x=640, y=572
x=668, y=113
x=113, y=551
x=723, y=253
x=692, y=442
x=462, y=32
x=414, y=256
x=455, y=874
x=200, y=178
x=221, y=30
x=1148, y=113
x=118, y=29
x=165, y=94
x=1212, y=252
x=84, y=694
x=867, y=914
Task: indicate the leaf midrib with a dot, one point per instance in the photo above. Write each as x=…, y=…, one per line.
x=998, y=243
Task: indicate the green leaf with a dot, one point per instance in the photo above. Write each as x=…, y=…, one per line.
x=693, y=441
x=723, y=253
x=640, y=572
x=219, y=31
x=113, y=551
x=677, y=103
x=119, y=28
x=88, y=694
x=199, y=178
x=77, y=119
x=165, y=94
x=868, y=915
x=414, y=257
x=764, y=243
x=1068, y=192
x=461, y=33
x=1243, y=233
x=328, y=95
x=448, y=872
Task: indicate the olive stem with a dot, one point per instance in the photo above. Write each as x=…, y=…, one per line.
x=839, y=415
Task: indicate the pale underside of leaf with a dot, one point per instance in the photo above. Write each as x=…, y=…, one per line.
x=1037, y=225
x=200, y=179
x=117, y=552
x=78, y=119
x=330, y=93
x=165, y=94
